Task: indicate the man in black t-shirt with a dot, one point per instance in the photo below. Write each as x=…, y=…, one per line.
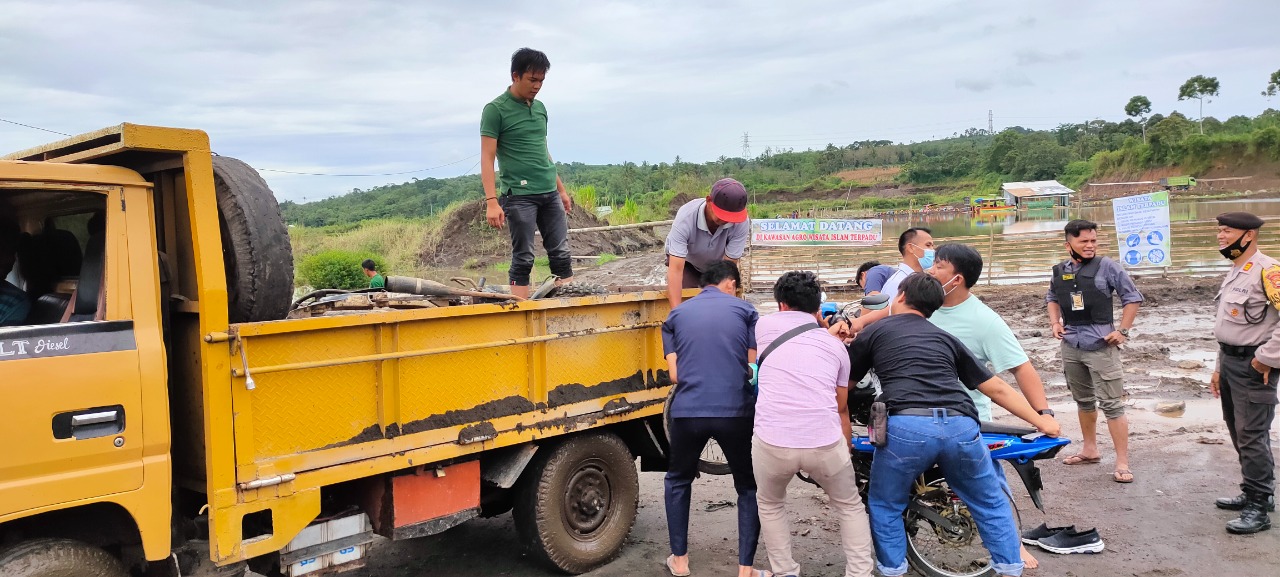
x=932, y=420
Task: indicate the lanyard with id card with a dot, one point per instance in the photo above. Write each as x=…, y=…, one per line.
x=1077, y=297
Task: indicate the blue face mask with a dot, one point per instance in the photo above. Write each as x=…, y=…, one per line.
x=926, y=260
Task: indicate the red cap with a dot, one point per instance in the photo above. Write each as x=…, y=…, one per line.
x=729, y=200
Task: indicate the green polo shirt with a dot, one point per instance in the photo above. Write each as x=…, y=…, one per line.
x=521, y=131
x=377, y=281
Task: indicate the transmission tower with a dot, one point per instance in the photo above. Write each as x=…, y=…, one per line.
x=746, y=145
x=991, y=126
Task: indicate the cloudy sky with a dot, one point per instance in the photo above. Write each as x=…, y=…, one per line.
x=363, y=87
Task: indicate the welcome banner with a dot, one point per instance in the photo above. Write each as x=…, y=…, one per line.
x=816, y=232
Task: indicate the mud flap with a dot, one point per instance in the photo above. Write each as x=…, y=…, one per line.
x=1030, y=475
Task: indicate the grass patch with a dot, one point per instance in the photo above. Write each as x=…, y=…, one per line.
x=398, y=242
x=606, y=258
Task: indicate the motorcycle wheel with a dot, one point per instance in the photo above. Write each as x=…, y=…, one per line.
x=934, y=551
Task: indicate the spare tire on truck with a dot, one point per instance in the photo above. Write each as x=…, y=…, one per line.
x=255, y=244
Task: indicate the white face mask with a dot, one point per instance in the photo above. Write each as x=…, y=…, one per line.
x=948, y=291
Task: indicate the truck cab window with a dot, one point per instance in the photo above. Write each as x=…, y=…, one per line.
x=52, y=254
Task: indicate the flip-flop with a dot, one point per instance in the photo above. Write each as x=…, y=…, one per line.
x=672, y=569
x=1118, y=476
x=1079, y=459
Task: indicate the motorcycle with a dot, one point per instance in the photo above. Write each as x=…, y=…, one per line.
x=942, y=537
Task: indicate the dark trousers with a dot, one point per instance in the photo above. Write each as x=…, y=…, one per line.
x=688, y=437
x=691, y=277
x=1248, y=407
x=542, y=212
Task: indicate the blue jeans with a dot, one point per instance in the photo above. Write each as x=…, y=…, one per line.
x=951, y=441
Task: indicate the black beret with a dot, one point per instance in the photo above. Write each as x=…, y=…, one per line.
x=1240, y=220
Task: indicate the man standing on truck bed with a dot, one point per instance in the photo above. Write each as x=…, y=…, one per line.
x=706, y=231
x=513, y=130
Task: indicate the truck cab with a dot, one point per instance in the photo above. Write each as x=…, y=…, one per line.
x=84, y=367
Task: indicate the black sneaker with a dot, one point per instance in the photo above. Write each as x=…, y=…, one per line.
x=1072, y=541
x=1033, y=536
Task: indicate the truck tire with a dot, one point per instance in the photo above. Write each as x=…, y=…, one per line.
x=58, y=558
x=576, y=506
x=256, y=253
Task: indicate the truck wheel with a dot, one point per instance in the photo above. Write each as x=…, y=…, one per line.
x=58, y=558
x=578, y=503
x=255, y=244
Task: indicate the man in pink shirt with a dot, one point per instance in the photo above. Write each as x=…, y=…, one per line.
x=802, y=423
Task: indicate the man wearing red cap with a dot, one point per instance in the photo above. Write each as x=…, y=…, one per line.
x=706, y=230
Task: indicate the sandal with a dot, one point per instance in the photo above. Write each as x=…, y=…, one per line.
x=1120, y=476
x=672, y=569
x=1079, y=459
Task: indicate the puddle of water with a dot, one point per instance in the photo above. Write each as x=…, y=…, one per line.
x=1208, y=357
x=1171, y=410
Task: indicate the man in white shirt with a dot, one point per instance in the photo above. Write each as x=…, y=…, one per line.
x=916, y=247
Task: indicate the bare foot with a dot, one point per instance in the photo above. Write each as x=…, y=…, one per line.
x=1028, y=561
x=678, y=565
x=748, y=571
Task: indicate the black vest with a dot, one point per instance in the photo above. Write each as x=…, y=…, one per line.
x=1097, y=304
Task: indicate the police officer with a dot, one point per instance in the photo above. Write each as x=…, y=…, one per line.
x=1246, y=327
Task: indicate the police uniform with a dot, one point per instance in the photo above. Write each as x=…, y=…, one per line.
x=1245, y=328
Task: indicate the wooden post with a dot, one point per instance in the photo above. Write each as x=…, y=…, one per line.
x=991, y=253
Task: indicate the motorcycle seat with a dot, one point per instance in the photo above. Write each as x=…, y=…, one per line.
x=999, y=429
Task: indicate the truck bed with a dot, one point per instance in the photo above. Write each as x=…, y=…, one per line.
x=334, y=397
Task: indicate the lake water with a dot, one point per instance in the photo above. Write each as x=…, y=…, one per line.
x=1053, y=219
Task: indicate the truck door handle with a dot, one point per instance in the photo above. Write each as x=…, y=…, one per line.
x=94, y=418
x=89, y=423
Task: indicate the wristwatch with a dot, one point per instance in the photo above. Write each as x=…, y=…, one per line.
x=1046, y=412
x=1125, y=333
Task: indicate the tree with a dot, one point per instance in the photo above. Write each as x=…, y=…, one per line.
x=1139, y=107
x=1199, y=87
x=1274, y=86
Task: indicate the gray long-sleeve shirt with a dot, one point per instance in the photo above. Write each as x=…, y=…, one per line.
x=1112, y=278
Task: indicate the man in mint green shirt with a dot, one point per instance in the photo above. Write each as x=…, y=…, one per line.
x=987, y=336
x=529, y=195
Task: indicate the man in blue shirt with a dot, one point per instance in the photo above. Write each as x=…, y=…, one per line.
x=14, y=304
x=872, y=269
x=708, y=342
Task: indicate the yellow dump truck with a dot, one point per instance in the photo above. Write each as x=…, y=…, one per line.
x=162, y=417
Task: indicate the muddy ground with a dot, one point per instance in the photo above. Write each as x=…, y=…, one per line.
x=1163, y=524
